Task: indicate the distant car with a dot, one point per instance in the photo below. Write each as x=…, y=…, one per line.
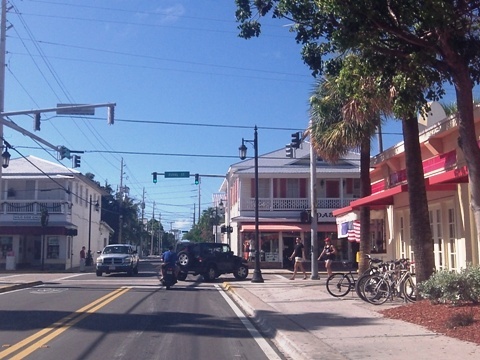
x=210, y=260
x=117, y=258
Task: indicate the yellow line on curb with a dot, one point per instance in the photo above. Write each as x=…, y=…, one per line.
x=60, y=326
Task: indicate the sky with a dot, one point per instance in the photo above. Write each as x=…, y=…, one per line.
x=187, y=90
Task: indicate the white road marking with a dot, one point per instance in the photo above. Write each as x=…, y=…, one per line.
x=264, y=345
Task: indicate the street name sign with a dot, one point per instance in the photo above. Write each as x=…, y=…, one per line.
x=177, y=174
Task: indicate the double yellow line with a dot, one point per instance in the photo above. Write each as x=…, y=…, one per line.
x=42, y=337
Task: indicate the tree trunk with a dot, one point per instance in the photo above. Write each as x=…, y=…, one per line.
x=468, y=141
x=366, y=190
x=419, y=217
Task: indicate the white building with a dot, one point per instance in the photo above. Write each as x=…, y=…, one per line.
x=48, y=212
x=284, y=194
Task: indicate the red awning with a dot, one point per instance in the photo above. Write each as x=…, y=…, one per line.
x=383, y=198
x=453, y=177
x=288, y=227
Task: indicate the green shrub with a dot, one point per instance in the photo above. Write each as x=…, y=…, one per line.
x=460, y=319
x=448, y=286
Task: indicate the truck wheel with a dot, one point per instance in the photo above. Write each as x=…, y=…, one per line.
x=211, y=274
x=99, y=273
x=182, y=276
x=183, y=259
x=241, y=272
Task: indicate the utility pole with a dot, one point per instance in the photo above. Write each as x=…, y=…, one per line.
x=199, y=192
x=143, y=225
x=313, y=211
x=3, y=39
x=151, y=229
x=120, y=202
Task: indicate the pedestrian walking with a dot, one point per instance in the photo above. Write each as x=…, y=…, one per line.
x=83, y=258
x=329, y=251
x=299, y=255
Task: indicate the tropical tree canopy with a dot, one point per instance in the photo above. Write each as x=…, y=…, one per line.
x=416, y=46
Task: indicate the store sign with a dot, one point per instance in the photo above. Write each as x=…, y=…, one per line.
x=26, y=217
x=325, y=216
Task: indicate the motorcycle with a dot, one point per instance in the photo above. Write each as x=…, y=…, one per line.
x=169, y=278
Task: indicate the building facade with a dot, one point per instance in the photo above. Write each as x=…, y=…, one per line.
x=284, y=204
x=48, y=212
x=446, y=179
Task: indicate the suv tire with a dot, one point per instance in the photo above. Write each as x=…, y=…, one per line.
x=241, y=272
x=183, y=258
x=210, y=274
x=182, y=276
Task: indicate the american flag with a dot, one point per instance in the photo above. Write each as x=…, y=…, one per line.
x=354, y=231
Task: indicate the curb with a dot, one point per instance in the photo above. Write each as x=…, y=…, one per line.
x=7, y=288
x=279, y=337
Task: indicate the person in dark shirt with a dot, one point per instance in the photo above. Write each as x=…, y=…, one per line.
x=329, y=251
x=170, y=258
x=299, y=255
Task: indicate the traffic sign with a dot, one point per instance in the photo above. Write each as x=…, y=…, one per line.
x=177, y=174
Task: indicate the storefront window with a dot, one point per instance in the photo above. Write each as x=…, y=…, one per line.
x=378, y=241
x=269, y=247
x=6, y=246
x=53, y=248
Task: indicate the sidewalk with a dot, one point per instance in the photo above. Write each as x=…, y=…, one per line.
x=305, y=322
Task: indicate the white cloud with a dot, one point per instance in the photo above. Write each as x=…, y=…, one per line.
x=170, y=14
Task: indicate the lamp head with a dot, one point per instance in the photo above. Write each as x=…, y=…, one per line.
x=242, y=151
x=5, y=159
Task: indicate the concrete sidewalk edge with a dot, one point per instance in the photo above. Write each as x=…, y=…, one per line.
x=10, y=287
x=286, y=340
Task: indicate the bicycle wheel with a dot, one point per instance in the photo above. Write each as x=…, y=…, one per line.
x=338, y=284
x=359, y=285
x=376, y=290
x=409, y=289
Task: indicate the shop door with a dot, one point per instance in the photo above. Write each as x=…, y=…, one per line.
x=288, y=246
x=37, y=251
x=437, y=234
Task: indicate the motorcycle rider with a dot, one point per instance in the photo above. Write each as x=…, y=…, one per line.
x=170, y=258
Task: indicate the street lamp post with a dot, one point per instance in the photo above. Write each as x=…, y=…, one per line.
x=89, y=259
x=257, y=274
x=44, y=222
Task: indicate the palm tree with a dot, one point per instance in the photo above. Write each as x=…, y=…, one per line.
x=347, y=112
x=338, y=125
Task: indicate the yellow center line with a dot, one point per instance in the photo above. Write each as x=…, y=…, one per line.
x=60, y=326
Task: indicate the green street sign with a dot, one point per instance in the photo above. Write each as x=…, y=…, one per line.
x=177, y=174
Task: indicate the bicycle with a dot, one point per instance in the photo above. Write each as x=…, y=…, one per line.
x=395, y=281
x=340, y=284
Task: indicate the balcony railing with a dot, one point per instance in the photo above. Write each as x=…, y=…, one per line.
x=267, y=204
x=36, y=207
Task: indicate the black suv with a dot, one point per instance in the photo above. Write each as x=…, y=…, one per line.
x=210, y=260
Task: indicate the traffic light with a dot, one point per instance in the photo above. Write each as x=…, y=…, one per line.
x=296, y=140
x=36, y=122
x=76, y=161
x=155, y=177
x=64, y=153
x=289, y=151
x=197, y=179
x=226, y=229
x=111, y=115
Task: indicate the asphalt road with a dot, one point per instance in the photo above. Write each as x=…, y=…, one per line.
x=82, y=316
